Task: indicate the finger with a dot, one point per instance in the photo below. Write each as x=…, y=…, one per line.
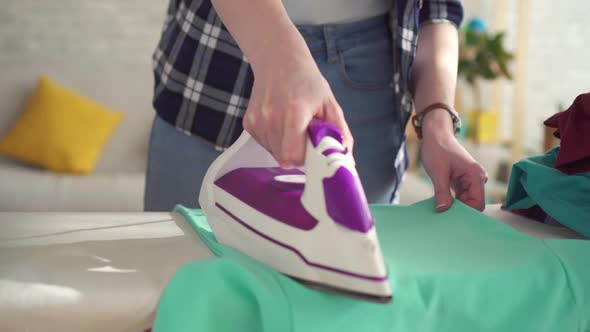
x=274, y=132
x=461, y=189
x=333, y=114
x=292, y=140
x=473, y=188
x=442, y=191
x=484, y=175
x=253, y=124
x=251, y=117
x=250, y=123
x=262, y=139
x=458, y=186
x=273, y=139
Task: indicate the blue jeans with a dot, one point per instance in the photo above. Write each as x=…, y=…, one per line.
x=356, y=60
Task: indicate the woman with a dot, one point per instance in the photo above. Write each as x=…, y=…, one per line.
x=270, y=66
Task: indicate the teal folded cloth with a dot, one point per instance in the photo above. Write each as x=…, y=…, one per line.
x=566, y=198
x=455, y=271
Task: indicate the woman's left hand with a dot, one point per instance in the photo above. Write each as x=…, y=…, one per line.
x=449, y=165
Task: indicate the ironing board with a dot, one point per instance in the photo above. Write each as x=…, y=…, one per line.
x=106, y=271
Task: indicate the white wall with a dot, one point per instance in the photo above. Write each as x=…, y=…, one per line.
x=559, y=58
x=100, y=48
x=558, y=62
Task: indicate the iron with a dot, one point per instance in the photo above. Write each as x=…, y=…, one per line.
x=312, y=224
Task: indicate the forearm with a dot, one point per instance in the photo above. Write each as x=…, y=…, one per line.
x=262, y=30
x=434, y=74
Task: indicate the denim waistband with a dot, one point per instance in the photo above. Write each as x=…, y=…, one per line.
x=339, y=37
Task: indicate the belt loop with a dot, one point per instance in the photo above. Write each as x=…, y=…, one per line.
x=331, y=50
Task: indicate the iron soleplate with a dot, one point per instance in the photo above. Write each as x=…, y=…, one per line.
x=344, y=292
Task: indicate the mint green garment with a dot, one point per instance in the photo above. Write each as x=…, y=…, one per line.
x=566, y=198
x=456, y=271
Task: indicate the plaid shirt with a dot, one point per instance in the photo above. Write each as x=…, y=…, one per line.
x=203, y=81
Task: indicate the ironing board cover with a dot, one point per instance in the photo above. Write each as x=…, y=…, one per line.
x=456, y=271
x=536, y=181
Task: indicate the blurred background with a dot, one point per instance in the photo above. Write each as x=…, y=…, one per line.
x=521, y=61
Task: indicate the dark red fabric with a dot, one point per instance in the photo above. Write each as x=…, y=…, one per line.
x=534, y=213
x=573, y=129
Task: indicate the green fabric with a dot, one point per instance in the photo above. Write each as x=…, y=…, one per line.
x=566, y=198
x=455, y=271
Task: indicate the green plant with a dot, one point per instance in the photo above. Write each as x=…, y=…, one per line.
x=482, y=56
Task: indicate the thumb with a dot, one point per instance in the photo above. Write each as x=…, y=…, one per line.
x=442, y=192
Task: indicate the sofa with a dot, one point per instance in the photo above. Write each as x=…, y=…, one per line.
x=116, y=184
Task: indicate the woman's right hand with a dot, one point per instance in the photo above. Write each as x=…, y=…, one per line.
x=288, y=92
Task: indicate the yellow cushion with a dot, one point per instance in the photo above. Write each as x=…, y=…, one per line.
x=483, y=126
x=60, y=130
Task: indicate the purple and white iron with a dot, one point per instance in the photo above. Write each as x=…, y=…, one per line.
x=315, y=227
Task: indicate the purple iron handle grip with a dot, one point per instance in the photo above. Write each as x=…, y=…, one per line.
x=319, y=129
x=346, y=201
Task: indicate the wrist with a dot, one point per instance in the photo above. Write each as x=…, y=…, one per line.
x=437, y=120
x=438, y=124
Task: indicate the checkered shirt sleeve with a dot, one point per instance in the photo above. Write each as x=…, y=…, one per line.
x=202, y=79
